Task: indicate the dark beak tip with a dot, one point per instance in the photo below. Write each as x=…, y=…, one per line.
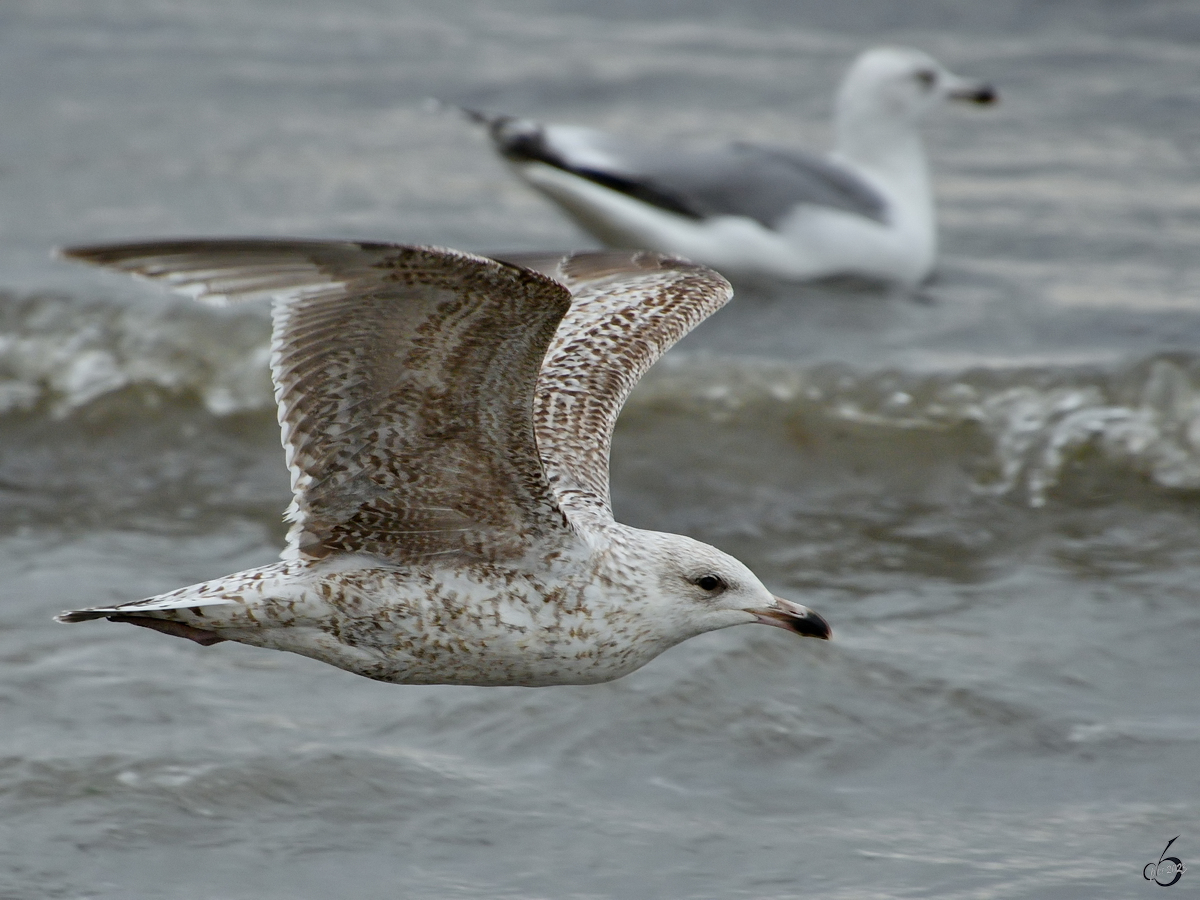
x=986, y=95
x=813, y=625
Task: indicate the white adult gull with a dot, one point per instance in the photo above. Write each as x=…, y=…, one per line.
x=866, y=209
x=446, y=421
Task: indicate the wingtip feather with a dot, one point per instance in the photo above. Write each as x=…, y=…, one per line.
x=71, y=616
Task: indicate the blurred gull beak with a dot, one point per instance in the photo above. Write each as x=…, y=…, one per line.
x=970, y=91
x=793, y=617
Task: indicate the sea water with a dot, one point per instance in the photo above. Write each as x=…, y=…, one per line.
x=990, y=486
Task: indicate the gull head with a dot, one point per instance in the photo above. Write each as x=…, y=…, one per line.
x=697, y=588
x=902, y=85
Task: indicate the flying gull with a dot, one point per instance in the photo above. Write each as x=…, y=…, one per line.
x=446, y=421
x=866, y=209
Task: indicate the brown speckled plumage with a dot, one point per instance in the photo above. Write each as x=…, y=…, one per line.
x=446, y=420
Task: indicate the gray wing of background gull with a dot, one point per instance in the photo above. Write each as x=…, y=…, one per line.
x=435, y=403
x=741, y=179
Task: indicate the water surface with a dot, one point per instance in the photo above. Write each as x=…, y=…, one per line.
x=990, y=488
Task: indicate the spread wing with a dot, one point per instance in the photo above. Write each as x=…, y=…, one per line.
x=741, y=179
x=405, y=378
x=627, y=309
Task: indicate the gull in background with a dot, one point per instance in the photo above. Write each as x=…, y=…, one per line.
x=866, y=209
x=446, y=421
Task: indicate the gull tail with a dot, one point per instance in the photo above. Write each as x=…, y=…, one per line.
x=516, y=139
x=148, y=614
x=70, y=617
x=478, y=116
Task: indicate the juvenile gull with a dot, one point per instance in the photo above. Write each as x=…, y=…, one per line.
x=446, y=421
x=866, y=209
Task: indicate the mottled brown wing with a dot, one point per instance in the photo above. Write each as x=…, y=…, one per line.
x=627, y=309
x=405, y=378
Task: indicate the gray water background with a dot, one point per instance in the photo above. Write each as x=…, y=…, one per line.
x=989, y=488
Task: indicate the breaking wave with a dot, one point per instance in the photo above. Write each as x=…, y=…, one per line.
x=1035, y=423
x=61, y=359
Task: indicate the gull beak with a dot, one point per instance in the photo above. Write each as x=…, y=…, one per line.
x=972, y=92
x=793, y=617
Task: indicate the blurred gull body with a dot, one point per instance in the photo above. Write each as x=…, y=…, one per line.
x=866, y=209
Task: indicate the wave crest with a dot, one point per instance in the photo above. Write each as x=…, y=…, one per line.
x=1024, y=428
x=59, y=356
x=1035, y=422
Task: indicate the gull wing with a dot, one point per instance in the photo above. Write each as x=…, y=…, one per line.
x=627, y=310
x=405, y=379
x=741, y=179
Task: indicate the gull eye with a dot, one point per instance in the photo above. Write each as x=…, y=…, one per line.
x=711, y=583
x=927, y=78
